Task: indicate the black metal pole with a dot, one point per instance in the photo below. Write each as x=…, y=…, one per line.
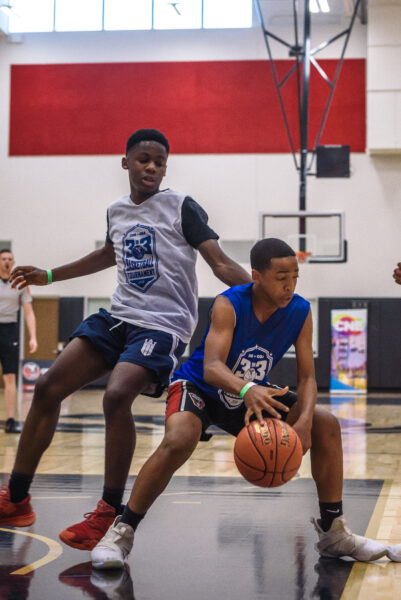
x=266, y=35
x=347, y=34
x=304, y=121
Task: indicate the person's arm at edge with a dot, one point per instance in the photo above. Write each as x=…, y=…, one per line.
x=306, y=382
x=223, y=267
x=91, y=263
x=31, y=325
x=217, y=373
x=397, y=273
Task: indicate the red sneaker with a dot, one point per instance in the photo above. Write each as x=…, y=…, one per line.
x=17, y=514
x=86, y=534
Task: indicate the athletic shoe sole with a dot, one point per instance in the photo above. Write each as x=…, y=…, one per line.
x=108, y=564
x=372, y=558
x=84, y=545
x=20, y=521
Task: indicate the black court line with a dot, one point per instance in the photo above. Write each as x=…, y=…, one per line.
x=144, y=423
x=206, y=537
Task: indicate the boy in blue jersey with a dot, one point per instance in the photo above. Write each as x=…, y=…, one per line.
x=225, y=383
x=153, y=236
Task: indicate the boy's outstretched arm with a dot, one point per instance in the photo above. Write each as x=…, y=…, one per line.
x=91, y=263
x=225, y=269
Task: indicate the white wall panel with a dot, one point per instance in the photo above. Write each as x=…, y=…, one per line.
x=384, y=75
x=384, y=23
x=382, y=109
x=384, y=68
x=398, y=119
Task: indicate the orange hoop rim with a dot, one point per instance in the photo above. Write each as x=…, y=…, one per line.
x=303, y=256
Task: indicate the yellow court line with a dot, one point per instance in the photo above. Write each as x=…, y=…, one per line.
x=355, y=580
x=55, y=549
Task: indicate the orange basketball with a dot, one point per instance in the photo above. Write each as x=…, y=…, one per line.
x=268, y=455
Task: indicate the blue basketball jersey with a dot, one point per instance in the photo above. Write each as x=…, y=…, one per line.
x=256, y=346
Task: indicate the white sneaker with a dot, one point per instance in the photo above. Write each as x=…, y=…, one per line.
x=340, y=541
x=394, y=552
x=114, y=547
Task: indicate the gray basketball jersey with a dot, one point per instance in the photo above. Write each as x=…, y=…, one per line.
x=10, y=301
x=157, y=286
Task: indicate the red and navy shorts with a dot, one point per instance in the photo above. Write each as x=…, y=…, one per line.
x=186, y=396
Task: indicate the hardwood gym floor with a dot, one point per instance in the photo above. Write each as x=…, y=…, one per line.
x=211, y=534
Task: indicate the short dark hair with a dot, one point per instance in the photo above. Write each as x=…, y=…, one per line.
x=264, y=250
x=6, y=250
x=147, y=135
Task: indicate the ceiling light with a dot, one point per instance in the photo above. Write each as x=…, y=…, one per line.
x=317, y=6
x=324, y=6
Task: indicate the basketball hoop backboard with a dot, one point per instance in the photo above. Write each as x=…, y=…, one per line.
x=322, y=234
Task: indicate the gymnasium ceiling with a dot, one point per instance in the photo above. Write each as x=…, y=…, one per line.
x=280, y=12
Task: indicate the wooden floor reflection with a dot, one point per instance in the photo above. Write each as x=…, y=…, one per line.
x=211, y=534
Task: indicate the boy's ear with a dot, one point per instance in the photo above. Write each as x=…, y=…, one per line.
x=255, y=275
x=124, y=162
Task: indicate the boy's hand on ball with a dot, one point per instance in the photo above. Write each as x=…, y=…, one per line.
x=259, y=398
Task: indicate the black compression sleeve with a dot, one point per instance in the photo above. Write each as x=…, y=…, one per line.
x=108, y=238
x=194, y=223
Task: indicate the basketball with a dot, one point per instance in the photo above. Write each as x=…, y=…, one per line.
x=268, y=455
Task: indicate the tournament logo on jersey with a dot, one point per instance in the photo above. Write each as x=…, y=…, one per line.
x=252, y=364
x=140, y=258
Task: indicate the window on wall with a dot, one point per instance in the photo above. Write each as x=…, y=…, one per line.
x=227, y=14
x=75, y=15
x=28, y=16
x=186, y=14
x=127, y=14
x=97, y=15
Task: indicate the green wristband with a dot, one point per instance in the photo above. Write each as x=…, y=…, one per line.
x=246, y=388
x=49, y=275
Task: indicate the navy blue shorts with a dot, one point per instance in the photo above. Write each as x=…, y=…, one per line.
x=119, y=341
x=185, y=395
x=9, y=348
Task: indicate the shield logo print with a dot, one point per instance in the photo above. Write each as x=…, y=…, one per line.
x=140, y=258
x=253, y=364
x=198, y=402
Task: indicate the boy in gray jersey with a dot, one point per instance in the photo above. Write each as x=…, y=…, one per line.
x=152, y=236
x=10, y=302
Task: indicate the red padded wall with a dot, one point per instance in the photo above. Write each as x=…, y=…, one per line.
x=203, y=107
